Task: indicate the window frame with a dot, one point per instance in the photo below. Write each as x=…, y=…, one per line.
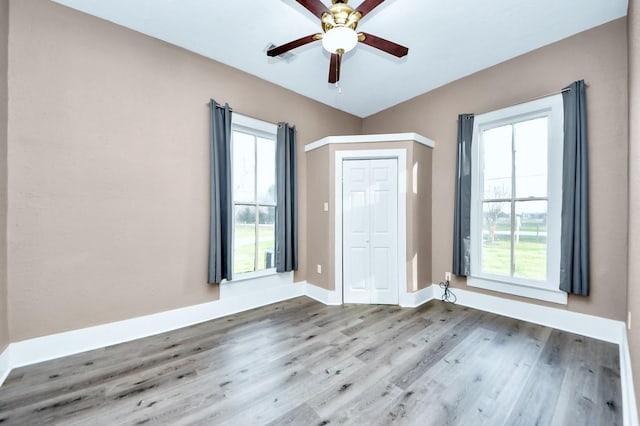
x=258, y=129
x=548, y=290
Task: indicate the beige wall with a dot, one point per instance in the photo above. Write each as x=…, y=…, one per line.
x=321, y=235
x=319, y=243
x=600, y=57
x=421, y=193
x=634, y=190
x=4, y=34
x=108, y=146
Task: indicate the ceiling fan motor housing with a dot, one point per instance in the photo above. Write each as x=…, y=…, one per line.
x=342, y=15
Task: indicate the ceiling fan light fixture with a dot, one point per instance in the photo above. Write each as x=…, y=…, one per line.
x=339, y=22
x=339, y=38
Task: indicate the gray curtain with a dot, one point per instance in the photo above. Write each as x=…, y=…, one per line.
x=462, y=209
x=220, y=215
x=574, y=246
x=287, y=210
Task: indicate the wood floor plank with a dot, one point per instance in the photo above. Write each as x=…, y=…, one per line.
x=367, y=407
x=519, y=347
x=301, y=415
x=424, y=359
x=300, y=362
x=539, y=396
x=461, y=372
x=330, y=400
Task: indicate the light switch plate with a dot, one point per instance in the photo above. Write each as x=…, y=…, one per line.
x=326, y=207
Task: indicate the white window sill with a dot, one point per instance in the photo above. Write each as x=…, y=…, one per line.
x=251, y=275
x=540, y=293
x=254, y=283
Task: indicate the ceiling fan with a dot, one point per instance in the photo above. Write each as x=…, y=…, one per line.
x=339, y=22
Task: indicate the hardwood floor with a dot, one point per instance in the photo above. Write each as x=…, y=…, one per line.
x=302, y=363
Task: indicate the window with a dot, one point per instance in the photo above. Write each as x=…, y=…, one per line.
x=253, y=158
x=516, y=200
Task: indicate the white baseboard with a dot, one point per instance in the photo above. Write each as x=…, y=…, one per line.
x=420, y=297
x=322, y=295
x=263, y=291
x=332, y=297
x=629, y=407
x=573, y=322
x=238, y=297
x=5, y=365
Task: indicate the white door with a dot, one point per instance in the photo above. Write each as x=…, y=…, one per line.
x=370, y=231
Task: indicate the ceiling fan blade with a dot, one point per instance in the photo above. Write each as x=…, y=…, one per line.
x=334, y=68
x=315, y=7
x=279, y=50
x=367, y=6
x=382, y=44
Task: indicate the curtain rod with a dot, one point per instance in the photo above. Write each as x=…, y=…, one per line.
x=246, y=115
x=557, y=92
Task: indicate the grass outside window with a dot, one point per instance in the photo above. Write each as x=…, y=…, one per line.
x=530, y=259
x=244, y=240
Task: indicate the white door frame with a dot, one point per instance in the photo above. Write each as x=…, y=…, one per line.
x=401, y=156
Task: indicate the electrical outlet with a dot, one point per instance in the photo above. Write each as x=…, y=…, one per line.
x=319, y=268
x=629, y=320
x=447, y=276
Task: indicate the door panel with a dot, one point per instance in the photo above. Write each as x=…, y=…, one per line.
x=360, y=268
x=370, y=231
x=380, y=268
x=381, y=220
x=359, y=214
x=356, y=230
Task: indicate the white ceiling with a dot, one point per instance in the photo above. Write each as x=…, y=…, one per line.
x=447, y=39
